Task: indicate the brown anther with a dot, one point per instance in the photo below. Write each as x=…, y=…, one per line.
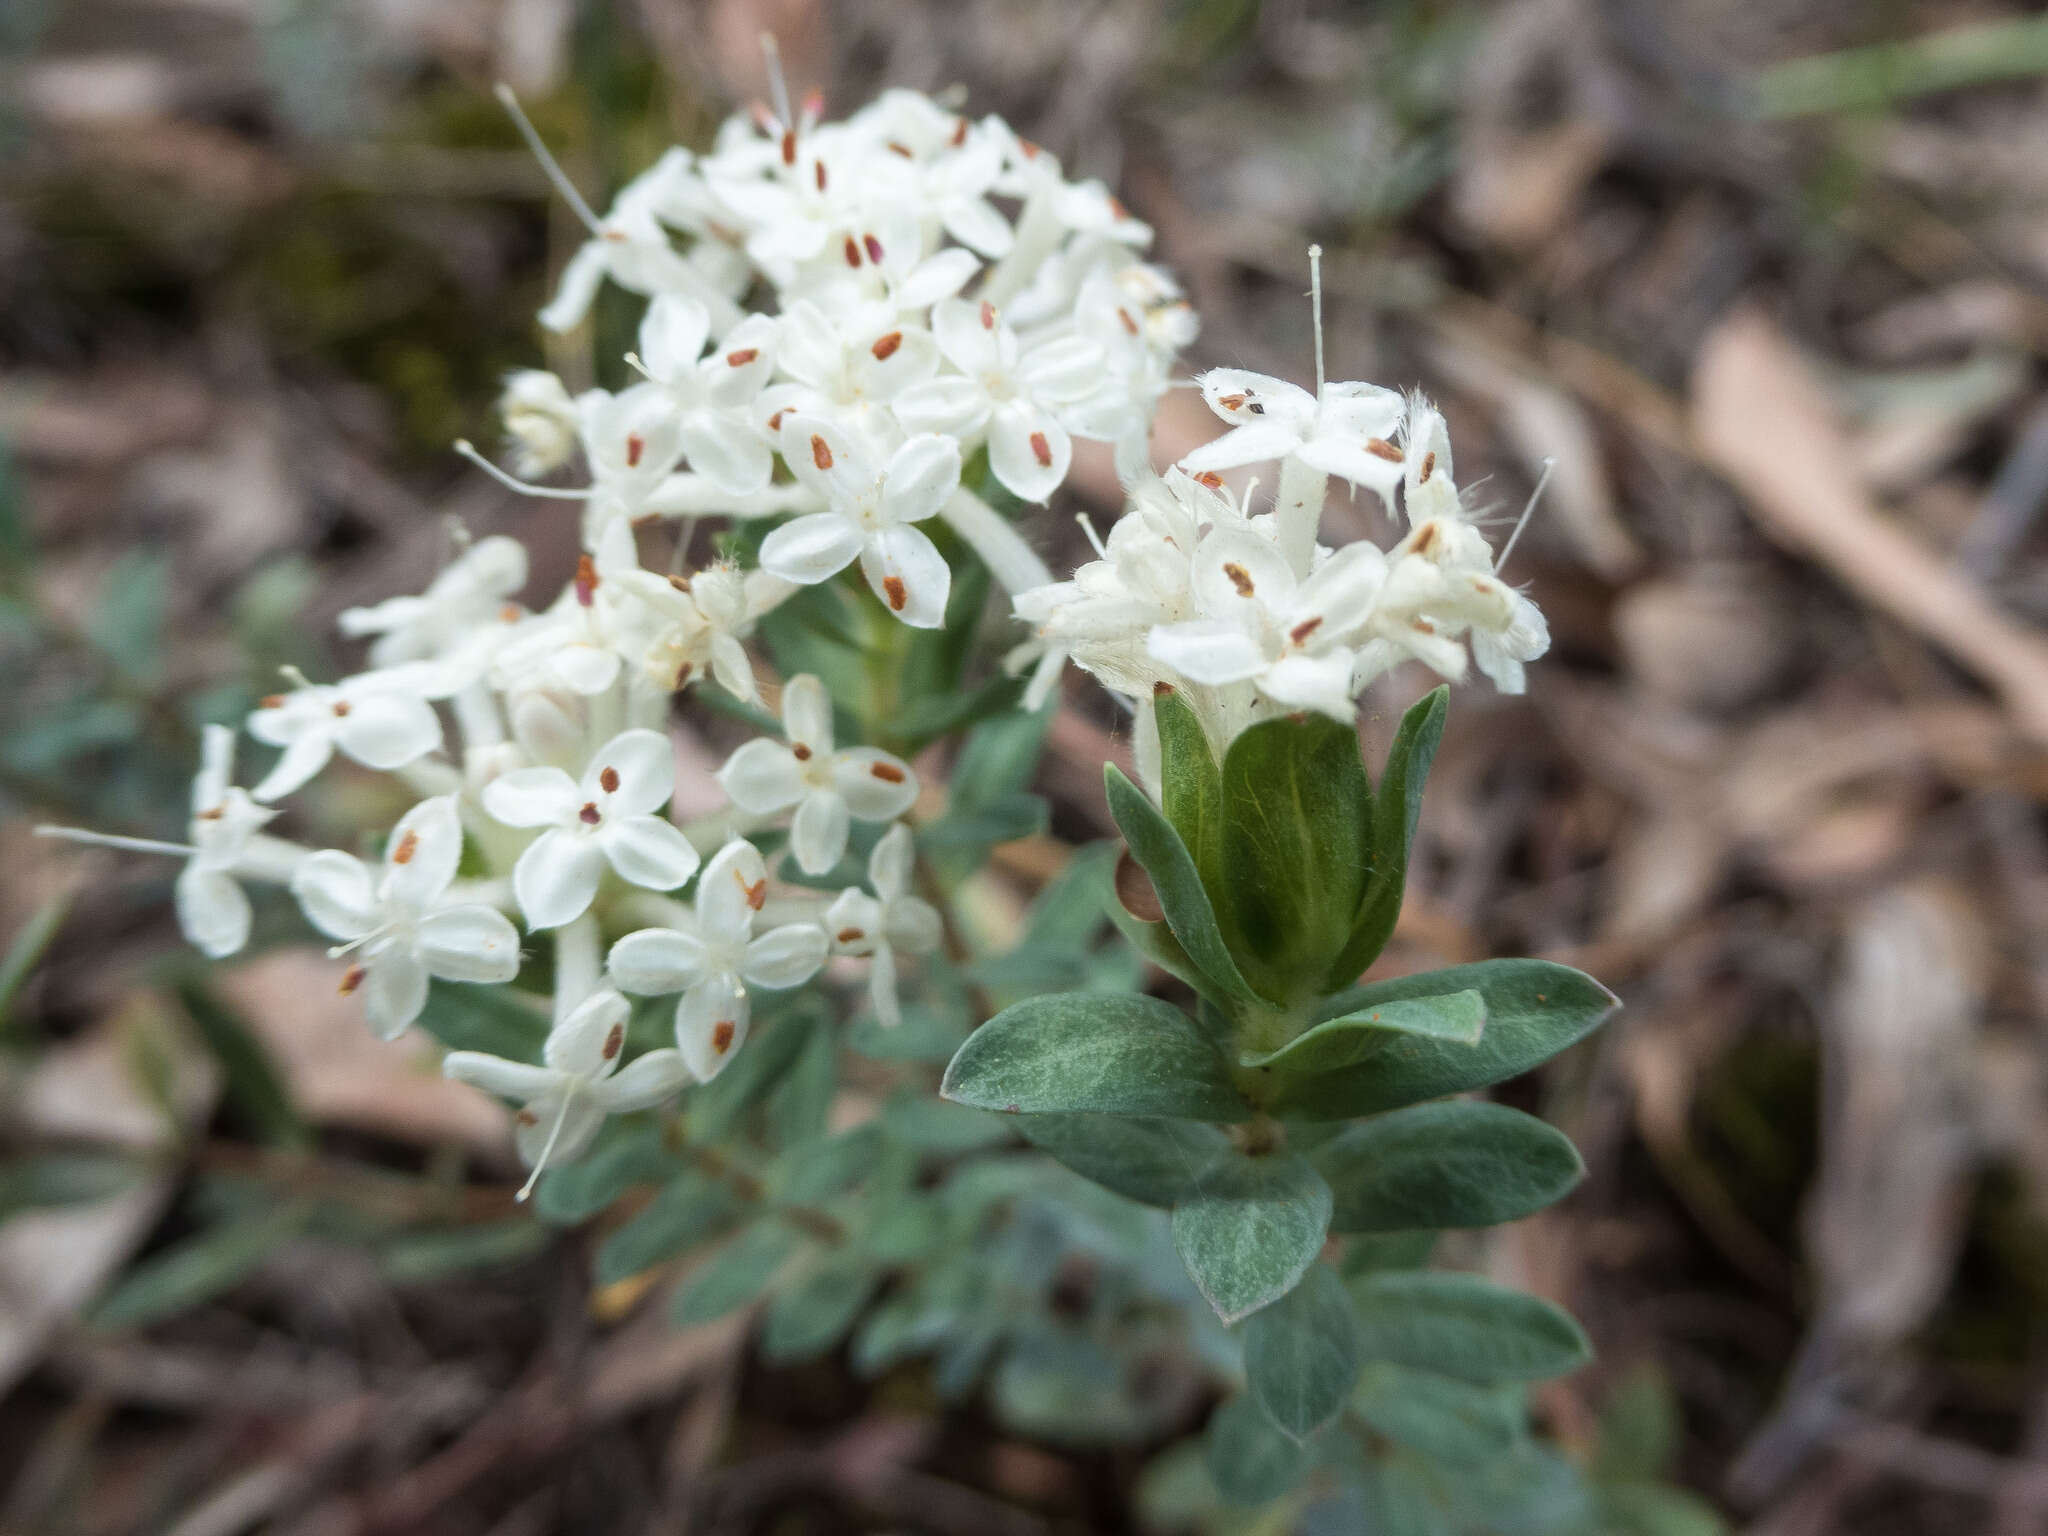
x=341, y=709
x=901, y=149
x=213, y=813
x=799, y=751
x=1211, y=479
x=683, y=676
x=789, y=146
x=885, y=346
x=775, y=421
x=1240, y=578
x=959, y=133
x=527, y=1118
x=744, y=356
x=721, y=1035
x=812, y=107
x=852, y=251
x=818, y=173
x=873, y=247
x=608, y=780
x=1130, y=325
x=1423, y=625
x=1304, y=629
x=636, y=445
x=590, y=816
x=988, y=315
x=1380, y=448
x=1428, y=468
x=897, y=593
x=680, y=583
x=1041, y=450
x=271, y=701
x=850, y=935
x=1116, y=206
x=1425, y=538
x=586, y=580
x=351, y=979
x=1031, y=150
x=888, y=773
x=821, y=452
x=408, y=845
x=614, y=1042
x=509, y=614
x=756, y=894
x=1231, y=402
x=1256, y=409
x=1161, y=689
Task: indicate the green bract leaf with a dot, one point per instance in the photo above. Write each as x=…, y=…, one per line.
x=1459, y=1325
x=1445, y=1419
x=1308, y=1059
x=1296, y=849
x=1191, y=785
x=1153, y=1161
x=1396, y=805
x=816, y=1170
x=1458, y=1164
x=1534, y=1009
x=1182, y=896
x=1251, y=1229
x=736, y=1274
x=1248, y=1457
x=1302, y=1354
x=688, y=1209
x=1094, y=1051
x=814, y=1313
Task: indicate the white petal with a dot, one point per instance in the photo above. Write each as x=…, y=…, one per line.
x=763, y=777
x=1064, y=369
x=1236, y=573
x=388, y=730
x=974, y=221
x=969, y=334
x=732, y=670
x=914, y=926
x=811, y=549
x=1243, y=398
x=216, y=767
x=644, y=1082
x=882, y=987
x=423, y=852
x=787, y=956
x=889, y=865
x=532, y=797
x=556, y=878
x=942, y=275
x=901, y=358
x=734, y=885
x=875, y=785
x=587, y=1042
x=1340, y=593
x=921, y=475
x=672, y=334
x=722, y=447
x=649, y=851
x=213, y=911
x=817, y=835
x=394, y=991
x=1212, y=651
x=584, y=668
x=494, y=1074
x=1243, y=445
x=581, y=279
x=906, y=571
x=654, y=961
x=807, y=714
x=469, y=943
x=556, y=1128
x=303, y=758
x=643, y=766
x=950, y=405
x=825, y=459
x=1354, y=462
x=1321, y=682
x=854, y=922
x=711, y=1023
x=1027, y=450
x=336, y=893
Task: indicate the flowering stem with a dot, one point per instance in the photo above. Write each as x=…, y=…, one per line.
x=691, y=495
x=1014, y=564
x=578, y=962
x=1299, y=511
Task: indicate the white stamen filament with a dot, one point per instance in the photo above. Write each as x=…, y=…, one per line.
x=547, y=1151
x=512, y=482
x=109, y=840
x=1315, y=300
x=1523, y=521
x=778, y=86
x=555, y=174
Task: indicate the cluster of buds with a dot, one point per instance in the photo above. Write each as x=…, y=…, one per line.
x=930, y=293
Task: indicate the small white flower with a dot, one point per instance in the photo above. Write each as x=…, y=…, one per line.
x=827, y=787
x=540, y=420
x=394, y=924
x=628, y=245
x=577, y=643
x=712, y=962
x=1260, y=625
x=1012, y=391
x=566, y=1099
x=1347, y=432
x=887, y=923
x=381, y=719
x=213, y=911
x=632, y=440
x=607, y=818
x=695, y=625
x=870, y=516
x=710, y=396
x=469, y=600
x=849, y=364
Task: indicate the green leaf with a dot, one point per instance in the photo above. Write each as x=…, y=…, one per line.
x=1151, y=1160
x=1445, y=1419
x=26, y=950
x=127, y=622
x=629, y=1152
x=1155, y=941
x=1249, y=1459
x=802, y=1101
x=1459, y=1325
x=689, y=1208
x=199, y=1268
x=1534, y=1009
x=1094, y=1051
x=916, y=1119
x=1191, y=785
x=1387, y=1250
x=736, y=1274
x=1396, y=806
x=1155, y=845
x=1455, y=1164
x=416, y=1258
x=1302, y=1354
x=254, y=1087
x=495, y=1020
x=712, y=1111
x=1251, y=1230
x=66, y=1178
x=1639, y=1427
x=1296, y=849
x=1646, y=1509
x=818, y=1169
x=814, y=1314
x=1003, y=820
x=1457, y=1017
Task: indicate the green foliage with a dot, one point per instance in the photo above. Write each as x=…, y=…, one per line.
x=1251, y=1229
x=1302, y=1354
x=1397, y=804
x=1250, y=1457
x=200, y=1268
x=1441, y=1417
x=1153, y=1160
x=252, y=1084
x=1455, y=1164
x=689, y=1208
x=1459, y=1325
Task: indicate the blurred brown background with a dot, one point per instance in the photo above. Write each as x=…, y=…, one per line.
x=1768, y=280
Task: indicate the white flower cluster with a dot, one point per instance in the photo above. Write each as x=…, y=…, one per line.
x=930, y=293
x=1250, y=613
